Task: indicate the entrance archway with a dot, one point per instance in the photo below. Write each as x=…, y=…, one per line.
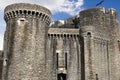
x=61, y=76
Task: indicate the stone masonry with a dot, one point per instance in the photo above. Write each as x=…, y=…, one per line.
x=35, y=51
x=25, y=42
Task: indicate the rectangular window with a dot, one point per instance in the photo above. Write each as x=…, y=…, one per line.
x=57, y=60
x=66, y=60
x=119, y=45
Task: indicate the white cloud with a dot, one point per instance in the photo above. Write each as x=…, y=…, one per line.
x=71, y=7
x=62, y=21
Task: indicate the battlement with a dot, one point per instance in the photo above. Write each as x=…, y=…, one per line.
x=100, y=18
x=25, y=10
x=68, y=33
x=93, y=10
x=98, y=14
x=98, y=10
x=63, y=31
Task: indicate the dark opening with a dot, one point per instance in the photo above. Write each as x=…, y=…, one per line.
x=75, y=22
x=25, y=11
x=40, y=14
x=22, y=20
x=81, y=40
x=51, y=35
x=20, y=12
x=65, y=35
x=6, y=60
x=17, y=12
x=33, y=12
x=68, y=35
x=55, y=35
x=57, y=61
x=37, y=13
x=89, y=34
x=43, y=16
x=96, y=76
x=13, y=12
x=58, y=35
x=61, y=76
x=29, y=12
x=66, y=60
x=119, y=45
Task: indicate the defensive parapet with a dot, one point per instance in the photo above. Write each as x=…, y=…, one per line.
x=98, y=20
x=25, y=10
x=88, y=16
x=25, y=42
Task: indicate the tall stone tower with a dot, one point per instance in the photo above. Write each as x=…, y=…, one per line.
x=99, y=29
x=25, y=42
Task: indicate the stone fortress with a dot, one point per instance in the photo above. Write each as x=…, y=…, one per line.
x=86, y=47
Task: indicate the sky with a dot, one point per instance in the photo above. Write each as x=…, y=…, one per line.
x=60, y=9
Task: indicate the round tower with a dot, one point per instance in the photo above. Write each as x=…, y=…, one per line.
x=25, y=41
x=98, y=30
x=91, y=22
x=92, y=19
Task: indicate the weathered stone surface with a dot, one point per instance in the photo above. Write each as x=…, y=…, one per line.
x=27, y=28
x=34, y=51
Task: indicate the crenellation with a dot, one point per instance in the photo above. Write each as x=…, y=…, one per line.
x=66, y=36
x=25, y=13
x=19, y=6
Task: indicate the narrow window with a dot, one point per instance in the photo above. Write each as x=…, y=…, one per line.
x=21, y=21
x=96, y=76
x=119, y=45
x=57, y=60
x=66, y=60
x=89, y=34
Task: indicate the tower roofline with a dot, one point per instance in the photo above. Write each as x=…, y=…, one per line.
x=26, y=6
x=25, y=9
x=99, y=9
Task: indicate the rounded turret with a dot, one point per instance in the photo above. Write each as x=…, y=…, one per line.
x=97, y=19
x=92, y=16
x=25, y=40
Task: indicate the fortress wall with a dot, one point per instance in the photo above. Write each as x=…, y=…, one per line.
x=96, y=57
x=101, y=59
x=64, y=53
x=63, y=31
